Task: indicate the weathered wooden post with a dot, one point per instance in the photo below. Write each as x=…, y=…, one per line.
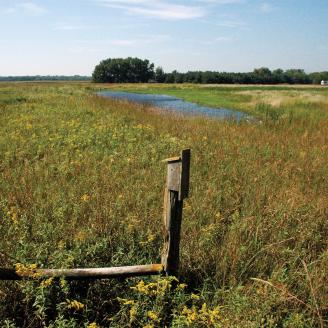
x=176, y=189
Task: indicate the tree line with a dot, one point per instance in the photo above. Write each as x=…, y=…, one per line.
x=258, y=76
x=134, y=70
x=44, y=78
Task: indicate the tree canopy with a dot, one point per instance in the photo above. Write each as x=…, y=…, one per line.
x=123, y=70
x=134, y=70
x=261, y=75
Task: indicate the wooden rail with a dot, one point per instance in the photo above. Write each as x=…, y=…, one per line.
x=93, y=273
x=176, y=189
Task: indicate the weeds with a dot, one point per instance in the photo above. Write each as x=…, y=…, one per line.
x=81, y=181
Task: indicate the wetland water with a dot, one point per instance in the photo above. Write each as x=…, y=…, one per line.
x=177, y=105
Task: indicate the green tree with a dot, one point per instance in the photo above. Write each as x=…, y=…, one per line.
x=297, y=76
x=159, y=75
x=123, y=70
x=262, y=75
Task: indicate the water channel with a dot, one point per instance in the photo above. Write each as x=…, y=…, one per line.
x=177, y=105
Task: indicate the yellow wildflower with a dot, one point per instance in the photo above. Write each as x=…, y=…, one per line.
x=153, y=288
x=218, y=216
x=125, y=301
x=133, y=313
x=203, y=313
x=195, y=296
x=214, y=315
x=26, y=270
x=80, y=236
x=182, y=286
x=190, y=314
x=46, y=283
x=92, y=325
x=63, y=283
x=151, y=238
x=204, y=308
x=75, y=305
x=61, y=244
x=85, y=198
x=148, y=326
x=142, y=288
x=13, y=215
x=153, y=316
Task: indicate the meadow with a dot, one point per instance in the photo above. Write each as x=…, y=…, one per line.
x=81, y=185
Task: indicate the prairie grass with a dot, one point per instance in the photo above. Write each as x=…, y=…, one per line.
x=81, y=182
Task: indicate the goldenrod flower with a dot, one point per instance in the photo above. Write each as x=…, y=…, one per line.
x=182, y=286
x=13, y=215
x=92, y=325
x=195, y=296
x=75, y=305
x=151, y=238
x=125, y=301
x=153, y=316
x=85, y=198
x=26, y=270
x=133, y=313
x=62, y=283
x=46, y=283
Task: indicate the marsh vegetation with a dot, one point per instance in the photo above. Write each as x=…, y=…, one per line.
x=81, y=183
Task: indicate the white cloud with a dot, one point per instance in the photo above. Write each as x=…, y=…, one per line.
x=231, y=23
x=220, y=39
x=25, y=8
x=32, y=8
x=156, y=9
x=266, y=8
x=174, y=12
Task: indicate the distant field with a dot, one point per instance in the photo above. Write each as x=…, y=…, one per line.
x=81, y=183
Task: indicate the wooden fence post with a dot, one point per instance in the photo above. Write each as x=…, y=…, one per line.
x=176, y=189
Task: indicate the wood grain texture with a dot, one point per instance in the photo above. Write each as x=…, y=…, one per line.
x=80, y=274
x=177, y=188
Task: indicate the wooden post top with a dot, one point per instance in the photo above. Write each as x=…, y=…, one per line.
x=178, y=173
x=172, y=159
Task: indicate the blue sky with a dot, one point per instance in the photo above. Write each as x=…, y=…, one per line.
x=71, y=36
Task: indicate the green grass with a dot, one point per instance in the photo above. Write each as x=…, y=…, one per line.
x=81, y=184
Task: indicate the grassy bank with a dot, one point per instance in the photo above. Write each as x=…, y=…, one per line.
x=81, y=183
x=265, y=102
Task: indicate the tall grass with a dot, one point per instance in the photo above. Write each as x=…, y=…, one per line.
x=81, y=184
